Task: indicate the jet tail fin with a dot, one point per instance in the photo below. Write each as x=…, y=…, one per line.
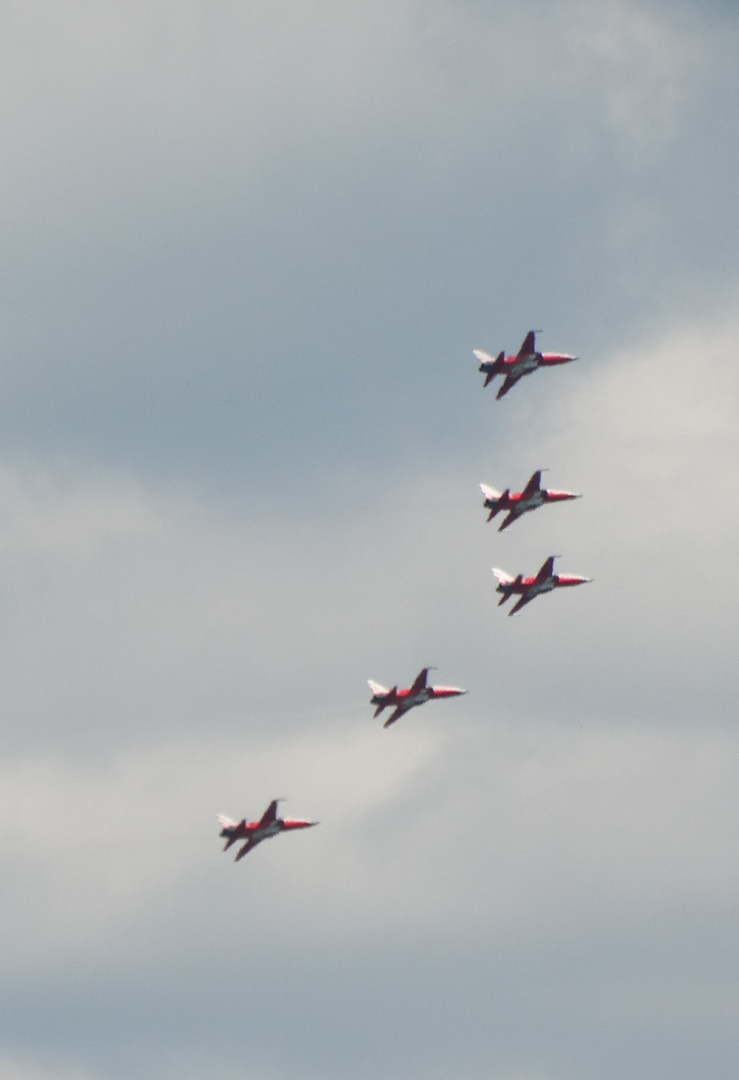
x=388, y=699
x=504, y=583
x=488, y=364
x=377, y=688
x=228, y=830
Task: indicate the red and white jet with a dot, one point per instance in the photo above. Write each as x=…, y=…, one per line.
x=403, y=700
x=526, y=360
x=519, y=502
x=253, y=832
x=529, y=587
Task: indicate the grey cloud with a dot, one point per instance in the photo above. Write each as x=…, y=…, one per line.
x=492, y=900
x=250, y=249
x=229, y=265
x=177, y=610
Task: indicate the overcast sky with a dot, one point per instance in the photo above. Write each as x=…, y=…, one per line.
x=248, y=247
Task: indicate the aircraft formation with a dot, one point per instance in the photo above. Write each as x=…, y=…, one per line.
x=514, y=505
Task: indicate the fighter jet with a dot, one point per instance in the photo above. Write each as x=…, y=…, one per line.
x=255, y=831
x=403, y=700
x=529, y=587
x=526, y=360
x=519, y=502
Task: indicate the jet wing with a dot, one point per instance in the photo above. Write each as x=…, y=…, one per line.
x=546, y=570
x=511, y=517
x=510, y=381
x=419, y=682
x=268, y=817
x=529, y=344
x=532, y=484
x=250, y=843
x=522, y=600
x=396, y=714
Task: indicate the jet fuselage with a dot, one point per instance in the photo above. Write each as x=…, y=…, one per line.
x=527, y=588
x=253, y=832
x=517, y=503
x=513, y=368
x=400, y=701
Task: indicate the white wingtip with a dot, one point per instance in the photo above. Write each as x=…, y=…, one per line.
x=501, y=575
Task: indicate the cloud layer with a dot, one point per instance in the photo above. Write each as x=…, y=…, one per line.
x=249, y=249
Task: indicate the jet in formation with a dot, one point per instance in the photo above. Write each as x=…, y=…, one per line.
x=526, y=588
x=526, y=360
x=253, y=832
x=403, y=700
x=519, y=502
